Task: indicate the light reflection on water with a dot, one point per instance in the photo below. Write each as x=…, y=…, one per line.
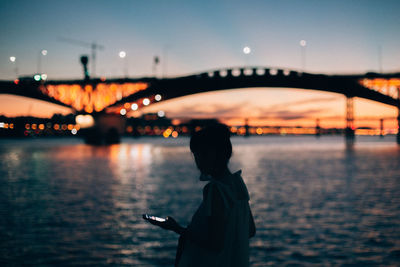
x=314, y=201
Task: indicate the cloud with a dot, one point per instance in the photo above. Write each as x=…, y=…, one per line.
x=309, y=108
x=214, y=110
x=294, y=115
x=284, y=111
x=313, y=100
x=243, y=110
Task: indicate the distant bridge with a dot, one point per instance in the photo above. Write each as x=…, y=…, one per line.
x=96, y=95
x=378, y=87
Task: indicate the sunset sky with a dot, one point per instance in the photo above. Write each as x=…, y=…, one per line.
x=195, y=36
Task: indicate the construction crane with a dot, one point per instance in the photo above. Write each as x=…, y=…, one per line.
x=93, y=47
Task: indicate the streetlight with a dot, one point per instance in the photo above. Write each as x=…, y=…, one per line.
x=13, y=60
x=165, y=60
x=303, y=45
x=37, y=77
x=42, y=52
x=247, y=51
x=155, y=64
x=122, y=55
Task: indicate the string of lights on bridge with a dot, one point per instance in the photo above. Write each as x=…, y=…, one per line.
x=142, y=102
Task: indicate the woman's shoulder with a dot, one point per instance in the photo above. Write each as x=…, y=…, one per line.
x=210, y=188
x=223, y=184
x=240, y=187
x=233, y=188
x=215, y=187
x=217, y=192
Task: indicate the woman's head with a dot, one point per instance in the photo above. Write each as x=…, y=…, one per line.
x=212, y=148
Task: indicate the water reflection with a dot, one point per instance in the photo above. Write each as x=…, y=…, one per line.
x=314, y=202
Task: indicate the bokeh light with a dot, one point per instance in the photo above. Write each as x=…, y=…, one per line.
x=122, y=54
x=146, y=101
x=134, y=106
x=246, y=50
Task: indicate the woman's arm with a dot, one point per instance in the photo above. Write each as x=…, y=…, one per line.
x=214, y=235
x=170, y=224
x=214, y=238
x=216, y=222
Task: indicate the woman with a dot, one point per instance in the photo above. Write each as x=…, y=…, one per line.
x=219, y=232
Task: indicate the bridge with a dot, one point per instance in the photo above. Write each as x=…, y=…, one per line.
x=100, y=95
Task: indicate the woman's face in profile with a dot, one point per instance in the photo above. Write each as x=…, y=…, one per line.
x=205, y=160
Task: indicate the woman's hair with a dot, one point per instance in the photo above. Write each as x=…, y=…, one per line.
x=215, y=136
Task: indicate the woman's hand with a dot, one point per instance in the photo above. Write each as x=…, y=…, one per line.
x=169, y=224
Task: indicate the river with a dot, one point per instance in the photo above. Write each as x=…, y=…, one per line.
x=315, y=202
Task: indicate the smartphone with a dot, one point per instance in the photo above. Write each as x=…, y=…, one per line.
x=153, y=218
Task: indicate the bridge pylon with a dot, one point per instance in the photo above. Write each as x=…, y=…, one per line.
x=107, y=130
x=398, y=126
x=317, y=128
x=398, y=115
x=349, y=132
x=247, y=127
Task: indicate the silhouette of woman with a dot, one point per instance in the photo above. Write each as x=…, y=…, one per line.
x=219, y=232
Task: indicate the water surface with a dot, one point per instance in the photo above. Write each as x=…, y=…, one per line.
x=315, y=202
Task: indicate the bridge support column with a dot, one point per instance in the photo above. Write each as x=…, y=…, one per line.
x=349, y=132
x=398, y=115
x=381, y=128
x=317, y=129
x=107, y=130
x=398, y=125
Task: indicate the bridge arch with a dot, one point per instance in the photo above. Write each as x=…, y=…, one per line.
x=255, y=77
x=213, y=80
